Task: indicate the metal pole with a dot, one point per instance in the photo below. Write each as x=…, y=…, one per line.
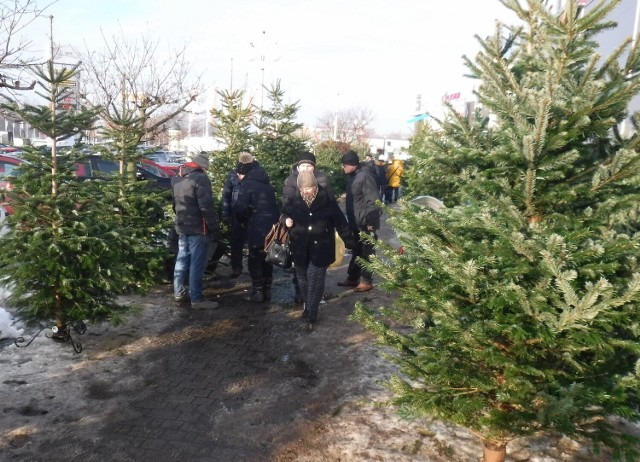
x=635, y=24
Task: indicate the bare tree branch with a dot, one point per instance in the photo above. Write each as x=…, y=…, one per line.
x=15, y=57
x=349, y=126
x=136, y=75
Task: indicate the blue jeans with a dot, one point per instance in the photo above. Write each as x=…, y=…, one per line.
x=192, y=259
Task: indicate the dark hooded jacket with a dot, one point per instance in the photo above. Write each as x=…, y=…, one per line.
x=361, y=197
x=312, y=237
x=290, y=188
x=256, y=206
x=193, y=202
x=230, y=194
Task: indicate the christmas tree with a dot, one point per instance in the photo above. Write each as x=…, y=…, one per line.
x=518, y=303
x=278, y=140
x=63, y=256
x=231, y=124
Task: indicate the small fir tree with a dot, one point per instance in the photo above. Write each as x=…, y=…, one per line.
x=328, y=156
x=520, y=300
x=278, y=141
x=141, y=209
x=61, y=256
x=232, y=125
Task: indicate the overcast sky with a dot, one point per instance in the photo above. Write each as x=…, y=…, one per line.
x=329, y=55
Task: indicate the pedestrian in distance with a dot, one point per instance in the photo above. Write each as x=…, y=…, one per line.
x=369, y=159
x=237, y=230
x=363, y=215
x=313, y=216
x=197, y=228
x=395, y=172
x=380, y=168
x=306, y=162
x=257, y=210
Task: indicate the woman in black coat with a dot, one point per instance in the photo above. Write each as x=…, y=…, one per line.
x=313, y=217
x=257, y=209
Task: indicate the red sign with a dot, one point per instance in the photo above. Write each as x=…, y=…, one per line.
x=451, y=97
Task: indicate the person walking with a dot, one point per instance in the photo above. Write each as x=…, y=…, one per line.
x=369, y=159
x=237, y=231
x=257, y=210
x=197, y=229
x=395, y=172
x=363, y=215
x=380, y=168
x=306, y=162
x=313, y=216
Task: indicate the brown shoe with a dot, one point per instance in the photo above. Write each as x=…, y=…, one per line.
x=363, y=287
x=348, y=283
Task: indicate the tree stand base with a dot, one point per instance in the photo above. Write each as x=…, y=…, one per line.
x=494, y=454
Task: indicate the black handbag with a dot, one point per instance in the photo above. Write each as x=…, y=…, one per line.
x=276, y=245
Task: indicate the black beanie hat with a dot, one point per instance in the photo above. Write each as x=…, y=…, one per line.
x=350, y=158
x=306, y=157
x=243, y=168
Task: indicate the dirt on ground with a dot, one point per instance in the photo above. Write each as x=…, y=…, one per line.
x=244, y=382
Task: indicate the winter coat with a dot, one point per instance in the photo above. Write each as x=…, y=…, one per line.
x=312, y=237
x=395, y=172
x=290, y=188
x=230, y=194
x=381, y=172
x=193, y=202
x=362, y=194
x=256, y=206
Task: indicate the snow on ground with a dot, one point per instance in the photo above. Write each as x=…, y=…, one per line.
x=9, y=327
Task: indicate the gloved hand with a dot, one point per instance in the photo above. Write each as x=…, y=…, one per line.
x=373, y=220
x=350, y=243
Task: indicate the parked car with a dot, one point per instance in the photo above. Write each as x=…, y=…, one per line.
x=8, y=166
x=95, y=166
x=8, y=149
x=167, y=159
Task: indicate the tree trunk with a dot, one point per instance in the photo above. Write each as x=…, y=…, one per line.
x=494, y=452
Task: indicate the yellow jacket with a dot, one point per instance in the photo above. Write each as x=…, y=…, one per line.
x=395, y=172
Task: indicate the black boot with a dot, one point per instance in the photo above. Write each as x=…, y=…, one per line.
x=266, y=289
x=257, y=291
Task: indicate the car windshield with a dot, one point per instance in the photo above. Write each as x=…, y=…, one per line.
x=7, y=169
x=154, y=170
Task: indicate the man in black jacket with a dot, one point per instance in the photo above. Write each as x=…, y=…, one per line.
x=257, y=209
x=363, y=215
x=237, y=230
x=197, y=228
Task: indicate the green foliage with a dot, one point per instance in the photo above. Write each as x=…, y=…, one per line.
x=71, y=246
x=139, y=207
x=519, y=302
x=328, y=155
x=277, y=142
x=232, y=125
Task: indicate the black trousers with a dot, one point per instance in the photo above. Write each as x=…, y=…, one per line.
x=237, y=240
x=363, y=249
x=259, y=268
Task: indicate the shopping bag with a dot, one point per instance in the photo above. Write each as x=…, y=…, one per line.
x=276, y=245
x=340, y=250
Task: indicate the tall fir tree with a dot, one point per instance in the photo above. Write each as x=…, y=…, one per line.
x=278, y=141
x=61, y=256
x=232, y=125
x=142, y=210
x=519, y=300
